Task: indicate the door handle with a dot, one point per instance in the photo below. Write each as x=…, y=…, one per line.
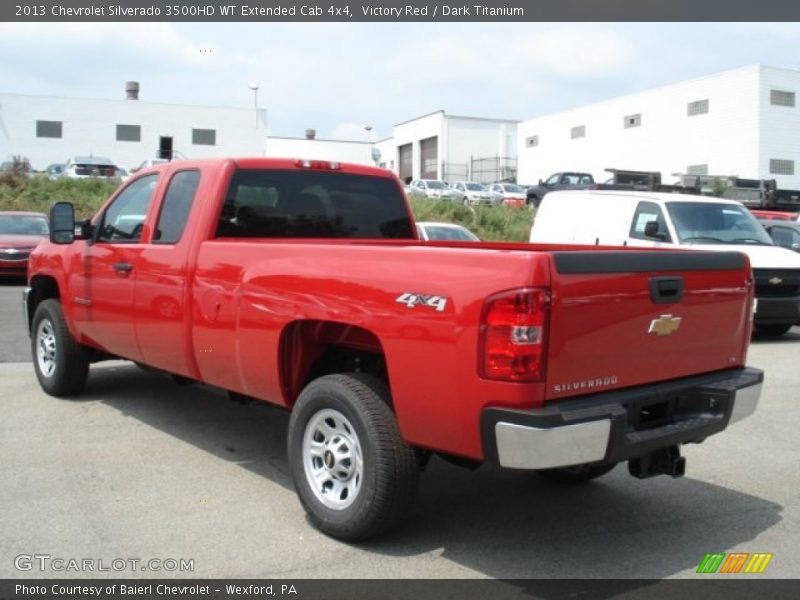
x=666, y=290
x=123, y=268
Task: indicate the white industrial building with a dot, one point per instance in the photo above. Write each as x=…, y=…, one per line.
x=49, y=130
x=311, y=147
x=743, y=122
x=442, y=146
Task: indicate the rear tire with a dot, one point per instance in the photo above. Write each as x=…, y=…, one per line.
x=353, y=473
x=576, y=473
x=60, y=362
x=772, y=330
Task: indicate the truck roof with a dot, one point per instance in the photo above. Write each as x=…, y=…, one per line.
x=255, y=162
x=656, y=196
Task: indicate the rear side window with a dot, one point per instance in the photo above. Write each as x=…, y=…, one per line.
x=646, y=212
x=313, y=204
x=176, y=206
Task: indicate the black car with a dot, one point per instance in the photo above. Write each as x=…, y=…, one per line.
x=784, y=233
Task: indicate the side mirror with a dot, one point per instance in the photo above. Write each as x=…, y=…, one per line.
x=62, y=223
x=540, y=182
x=651, y=230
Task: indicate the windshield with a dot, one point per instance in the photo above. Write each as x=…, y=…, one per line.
x=711, y=223
x=441, y=232
x=514, y=189
x=435, y=185
x=23, y=225
x=475, y=187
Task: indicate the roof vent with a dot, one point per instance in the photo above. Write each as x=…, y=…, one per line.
x=132, y=90
x=311, y=134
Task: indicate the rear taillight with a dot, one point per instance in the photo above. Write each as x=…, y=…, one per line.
x=318, y=164
x=513, y=335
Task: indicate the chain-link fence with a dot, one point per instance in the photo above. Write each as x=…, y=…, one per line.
x=455, y=171
x=494, y=168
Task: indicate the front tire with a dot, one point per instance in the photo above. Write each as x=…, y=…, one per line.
x=60, y=362
x=772, y=330
x=353, y=473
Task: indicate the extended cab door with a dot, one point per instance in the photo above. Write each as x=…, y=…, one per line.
x=161, y=299
x=103, y=282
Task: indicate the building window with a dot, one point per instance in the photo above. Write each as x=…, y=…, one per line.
x=532, y=141
x=632, y=121
x=204, y=137
x=698, y=107
x=578, y=132
x=781, y=98
x=129, y=133
x=697, y=169
x=48, y=129
x=781, y=167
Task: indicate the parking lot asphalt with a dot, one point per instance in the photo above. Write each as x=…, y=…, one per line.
x=141, y=468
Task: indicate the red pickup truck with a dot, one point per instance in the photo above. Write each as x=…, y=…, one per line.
x=302, y=283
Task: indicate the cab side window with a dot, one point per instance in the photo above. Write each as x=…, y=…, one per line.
x=124, y=219
x=175, y=208
x=647, y=212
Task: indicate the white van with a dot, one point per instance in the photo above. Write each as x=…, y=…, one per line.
x=615, y=218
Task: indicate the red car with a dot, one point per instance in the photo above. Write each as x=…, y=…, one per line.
x=775, y=215
x=20, y=233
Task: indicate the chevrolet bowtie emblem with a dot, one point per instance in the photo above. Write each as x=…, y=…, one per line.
x=776, y=280
x=12, y=251
x=664, y=325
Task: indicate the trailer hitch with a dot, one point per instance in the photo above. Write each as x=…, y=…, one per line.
x=664, y=461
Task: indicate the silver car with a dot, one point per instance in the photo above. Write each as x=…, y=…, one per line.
x=475, y=193
x=449, y=232
x=433, y=189
x=81, y=167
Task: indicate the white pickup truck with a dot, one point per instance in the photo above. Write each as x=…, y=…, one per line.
x=650, y=219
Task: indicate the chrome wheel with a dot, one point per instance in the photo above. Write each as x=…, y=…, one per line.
x=46, y=347
x=332, y=459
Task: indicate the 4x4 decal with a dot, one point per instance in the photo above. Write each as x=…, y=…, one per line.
x=411, y=300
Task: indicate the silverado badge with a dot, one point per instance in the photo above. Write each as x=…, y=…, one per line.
x=664, y=325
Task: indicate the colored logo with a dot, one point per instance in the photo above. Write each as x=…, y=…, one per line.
x=735, y=562
x=664, y=325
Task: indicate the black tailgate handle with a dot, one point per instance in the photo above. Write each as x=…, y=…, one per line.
x=666, y=290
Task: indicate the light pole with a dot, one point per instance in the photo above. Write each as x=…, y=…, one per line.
x=253, y=85
x=374, y=153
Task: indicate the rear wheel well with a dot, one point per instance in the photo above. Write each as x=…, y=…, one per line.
x=311, y=349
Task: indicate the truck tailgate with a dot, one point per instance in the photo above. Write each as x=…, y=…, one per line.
x=620, y=319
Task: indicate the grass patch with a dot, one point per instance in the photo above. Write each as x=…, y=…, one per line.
x=497, y=223
x=39, y=193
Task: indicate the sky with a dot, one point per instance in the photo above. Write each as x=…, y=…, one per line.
x=341, y=77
